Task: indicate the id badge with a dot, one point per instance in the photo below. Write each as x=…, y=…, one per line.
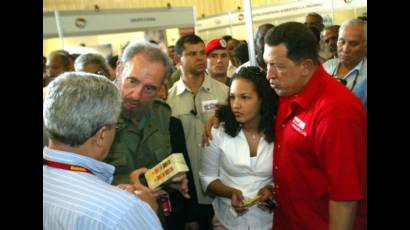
x=209, y=106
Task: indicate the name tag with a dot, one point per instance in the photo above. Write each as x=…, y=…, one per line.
x=299, y=125
x=209, y=106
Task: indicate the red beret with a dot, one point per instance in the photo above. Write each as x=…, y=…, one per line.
x=217, y=43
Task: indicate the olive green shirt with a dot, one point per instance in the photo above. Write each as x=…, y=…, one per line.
x=142, y=145
x=182, y=102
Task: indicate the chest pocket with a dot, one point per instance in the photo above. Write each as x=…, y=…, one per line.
x=296, y=138
x=153, y=149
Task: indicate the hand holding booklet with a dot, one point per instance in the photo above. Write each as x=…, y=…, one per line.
x=161, y=173
x=252, y=201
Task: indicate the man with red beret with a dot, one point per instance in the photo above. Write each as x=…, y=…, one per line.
x=217, y=58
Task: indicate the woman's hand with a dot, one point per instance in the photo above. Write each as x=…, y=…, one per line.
x=236, y=202
x=266, y=192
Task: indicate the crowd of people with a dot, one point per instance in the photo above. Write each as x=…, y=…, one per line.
x=281, y=145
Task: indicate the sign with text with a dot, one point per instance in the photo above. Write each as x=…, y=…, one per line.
x=75, y=23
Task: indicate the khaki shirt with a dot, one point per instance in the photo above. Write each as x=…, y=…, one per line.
x=181, y=100
x=142, y=145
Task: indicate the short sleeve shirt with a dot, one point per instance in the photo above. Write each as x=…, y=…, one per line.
x=320, y=154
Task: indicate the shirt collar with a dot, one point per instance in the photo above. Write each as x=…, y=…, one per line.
x=358, y=67
x=206, y=85
x=308, y=94
x=101, y=169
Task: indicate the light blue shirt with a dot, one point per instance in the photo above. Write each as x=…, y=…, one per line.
x=79, y=200
x=361, y=91
x=358, y=73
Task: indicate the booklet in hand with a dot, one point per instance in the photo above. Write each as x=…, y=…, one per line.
x=171, y=166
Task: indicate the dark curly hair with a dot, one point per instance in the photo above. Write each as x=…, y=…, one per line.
x=268, y=107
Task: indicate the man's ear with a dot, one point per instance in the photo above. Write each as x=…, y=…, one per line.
x=118, y=68
x=100, y=135
x=307, y=66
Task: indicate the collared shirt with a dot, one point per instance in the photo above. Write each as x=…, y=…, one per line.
x=361, y=91
x=320, y=154
x=193, y=113
x=358, y=73
x=79, y=200
x=228, y=159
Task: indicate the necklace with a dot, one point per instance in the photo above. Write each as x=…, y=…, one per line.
x=253, y=136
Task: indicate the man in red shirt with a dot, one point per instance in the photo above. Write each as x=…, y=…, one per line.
x=319, y=164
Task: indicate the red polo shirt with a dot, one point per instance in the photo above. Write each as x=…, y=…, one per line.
x=320, y=154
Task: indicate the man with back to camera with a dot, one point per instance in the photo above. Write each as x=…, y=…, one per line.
x=321, y=135
x=80, y=113
x=217, y=59
x=193, y=100
x=143, y=138
x=351, y=65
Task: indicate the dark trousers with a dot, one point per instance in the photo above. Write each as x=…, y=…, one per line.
x=206, y=213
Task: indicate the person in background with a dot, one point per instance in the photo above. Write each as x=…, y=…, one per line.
x=112, y=63
x=80, y=113
x=143, y=138
x=217, y=59
x=350, y=67
x=171, y=53
x=93, y=63
x=58, y=62
x=316, y=33
x=44, y=71
x=193, y=100
x=237, y=165
x=320, y=153
x=231, y=43
x=314, y=20
x=329, y=36
x=241, y=53
x=259, y=46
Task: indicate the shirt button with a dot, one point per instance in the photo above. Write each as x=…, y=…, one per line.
x=283, y=126
x=276, y=167
x=278, y=146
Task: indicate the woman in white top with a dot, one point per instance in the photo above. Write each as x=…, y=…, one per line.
x=237, y=164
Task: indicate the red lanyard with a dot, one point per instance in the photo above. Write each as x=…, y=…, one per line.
x=68, y=167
